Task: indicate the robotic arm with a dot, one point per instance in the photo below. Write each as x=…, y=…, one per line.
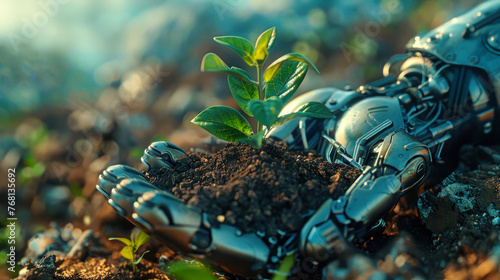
x=444, y=91
x=402, y=163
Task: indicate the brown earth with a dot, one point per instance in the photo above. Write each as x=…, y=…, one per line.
x=111, y=268
x=256, y=190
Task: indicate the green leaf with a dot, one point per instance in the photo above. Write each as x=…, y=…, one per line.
x=193, y=270
x=139, y=260
x=122, y=239
x=128, y=252
x=284, y=268
x=141, y=238
x=212, y=63
x=242, y=72
x=311, y=109
x=271, y=69
x=243, y=92
x=224, y=122
x=240, y=45
x=132, y=239
x=264, y=44
x=254, y=140
x=287, y=80
x=266, y=112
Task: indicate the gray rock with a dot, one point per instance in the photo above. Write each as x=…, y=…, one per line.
x=425, y=205
x=460, y=196
x=56, y=241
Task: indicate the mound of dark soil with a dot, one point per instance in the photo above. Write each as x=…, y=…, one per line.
x=265, y=190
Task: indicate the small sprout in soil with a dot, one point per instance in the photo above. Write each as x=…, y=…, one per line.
x=263, y=98
x=132, y=245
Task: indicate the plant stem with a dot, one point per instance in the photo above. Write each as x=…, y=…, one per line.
x=259, y=87
x=133, y=265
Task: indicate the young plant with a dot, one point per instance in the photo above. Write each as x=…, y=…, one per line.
x=262, y=98
x=132, y=246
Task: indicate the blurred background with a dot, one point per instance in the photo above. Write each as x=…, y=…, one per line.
x=88, y=84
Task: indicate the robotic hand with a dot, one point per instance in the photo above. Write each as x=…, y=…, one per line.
x=443, y=92
x=183, y=228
